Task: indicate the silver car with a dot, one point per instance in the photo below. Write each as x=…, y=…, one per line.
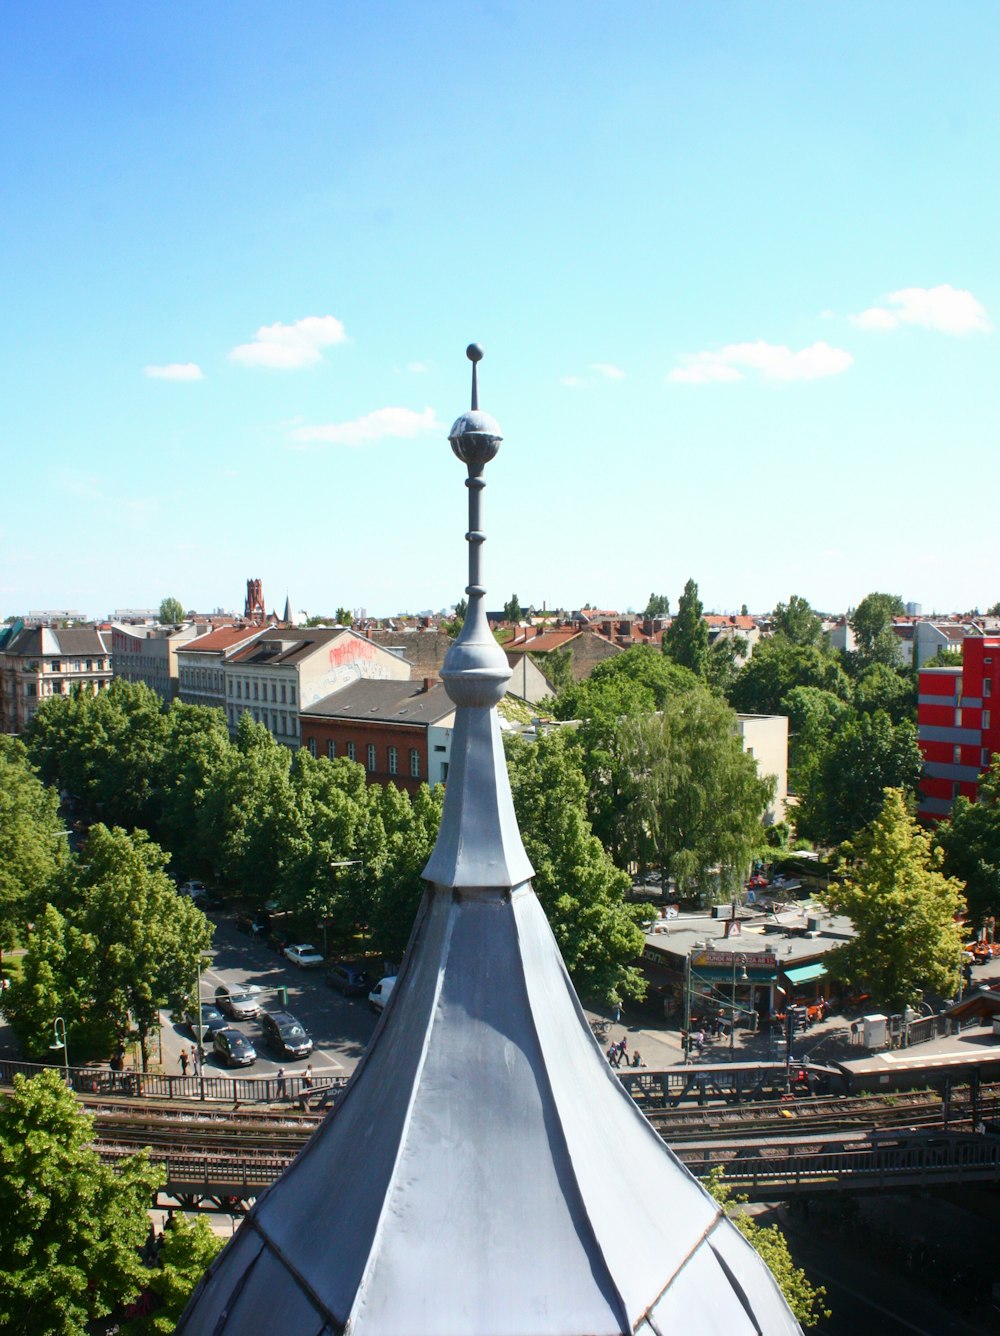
x=242, y=1004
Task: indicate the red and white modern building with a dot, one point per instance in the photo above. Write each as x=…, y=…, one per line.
x=955, y=724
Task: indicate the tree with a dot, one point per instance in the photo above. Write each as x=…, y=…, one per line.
x=776, y=666
x=813, y=716
x=196, y=764
x=797, y=623
x=693, y=801
x=32, y=840
x=871, y=623
x=859, y=762
x=171, y=611
x=58, y=978
x=557, y=666
x=512, y=610
x=722, y=666
x=71, y=1228
x=658, y=606
x=903, y=908
x=189, y=1248
x=686, y=638
x=579, y=888
x=804, y=1299
x=945, y=658
x=344, y=617
x=971, y=843
x=148, y=937
x=890, y=689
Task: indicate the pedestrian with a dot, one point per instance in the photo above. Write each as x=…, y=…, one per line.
x=281, y=1083
x=307, y=1078
x=637, y=1059
x=699, y=1041
x=623, y=1050
x=184, y=1062
x=616, y=1018
x=614, y=1057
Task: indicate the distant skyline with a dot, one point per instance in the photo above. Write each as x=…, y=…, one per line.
x=734, y=267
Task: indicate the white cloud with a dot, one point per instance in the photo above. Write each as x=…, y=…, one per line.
x=418, y=368
x=288, y=347
x=400, y=423
x=607, y=369
x=773, y=361
x=174, y=371
x=574, y=382
x=944, y=308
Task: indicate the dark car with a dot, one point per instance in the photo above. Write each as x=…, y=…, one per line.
x=285, y=1034
x=212, y=1019
x=234, y=1048
x=351, y=980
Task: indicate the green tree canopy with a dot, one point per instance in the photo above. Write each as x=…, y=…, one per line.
x=797, y=623
x=171, y=611
x=776, y=667
x=657, y=606
x=189, y=1248
x=686, y=638
x=971, y=843
x=33, y=846
x=512, y=611
x=871, y=623
x=693, y=801
x=344, y=617
x=859, y=762
x=890, y=689
x=71, y=1228
x=579, y=888
x=945, y=658
x=813, y=716
x=903, y=908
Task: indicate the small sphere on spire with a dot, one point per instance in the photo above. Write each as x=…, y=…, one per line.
x=474, y=352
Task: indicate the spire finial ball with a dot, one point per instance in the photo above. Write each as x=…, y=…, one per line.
x=474, y=352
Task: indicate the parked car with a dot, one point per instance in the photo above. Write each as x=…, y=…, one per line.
x=351, y=980
x=304, y=955
x=381, y=993
x=285, y=1034
x=240, y=1003
x=212, y=1019
x=234, y=1048
x=193, y=888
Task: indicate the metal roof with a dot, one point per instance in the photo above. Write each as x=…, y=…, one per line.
x=485, y=1171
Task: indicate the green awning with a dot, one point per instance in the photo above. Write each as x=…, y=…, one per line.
x=803, y=973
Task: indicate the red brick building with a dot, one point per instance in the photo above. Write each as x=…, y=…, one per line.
x=955, y=724
x=399, y=731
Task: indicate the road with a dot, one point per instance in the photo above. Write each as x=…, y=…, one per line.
x=340, y=1027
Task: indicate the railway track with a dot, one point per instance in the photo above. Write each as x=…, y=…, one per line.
x=173, y=1130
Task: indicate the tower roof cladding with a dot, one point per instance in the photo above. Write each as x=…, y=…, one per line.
x=484, y=1171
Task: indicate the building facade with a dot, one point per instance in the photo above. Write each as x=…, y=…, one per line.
x=149, y=654
x=39, y=662
x=287, y=670
x=200, y=664
x=955, y=725
x=399, y=731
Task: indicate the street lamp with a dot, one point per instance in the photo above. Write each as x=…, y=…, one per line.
x=740, y=959
x=59, y=1028
x=201, y=1033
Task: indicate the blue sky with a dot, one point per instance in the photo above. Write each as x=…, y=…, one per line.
x=735, y=268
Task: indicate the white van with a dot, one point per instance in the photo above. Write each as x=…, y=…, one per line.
x=380, y=994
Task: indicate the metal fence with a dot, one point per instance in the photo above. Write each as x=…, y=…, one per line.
x=239, y=1089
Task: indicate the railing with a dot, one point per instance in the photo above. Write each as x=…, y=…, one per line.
x=244, y=1090
x=776, y=1170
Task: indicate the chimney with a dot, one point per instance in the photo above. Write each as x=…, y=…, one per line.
x=428, y=683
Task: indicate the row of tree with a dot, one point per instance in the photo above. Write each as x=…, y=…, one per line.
x=248, y=816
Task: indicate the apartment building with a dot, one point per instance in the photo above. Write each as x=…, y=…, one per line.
x=288, y=669
x=38, y=662
x=201, y=661
x=149, y=654
x=955, y=725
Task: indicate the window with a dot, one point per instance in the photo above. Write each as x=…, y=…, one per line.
x=291, y=695
x=986, y=719
x=414, y=763
x=439, y=748
x=958, y=716
x=444, y=772
x=283, y=698
x=985, y=758
x=274, y=692
x=255, y=695
x=371, y=756
x=239, y=689
x=331, y=749
x=90, y=665
x=393, y=755
x=956, y=755
x=987, y=686
x=351, y=752
x=55, y=666
x=312, y=746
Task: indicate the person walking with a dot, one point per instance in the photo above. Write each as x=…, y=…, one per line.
x=281, y=1083
x=184, y=1062
x=616, y=1018
x=195, y=1060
